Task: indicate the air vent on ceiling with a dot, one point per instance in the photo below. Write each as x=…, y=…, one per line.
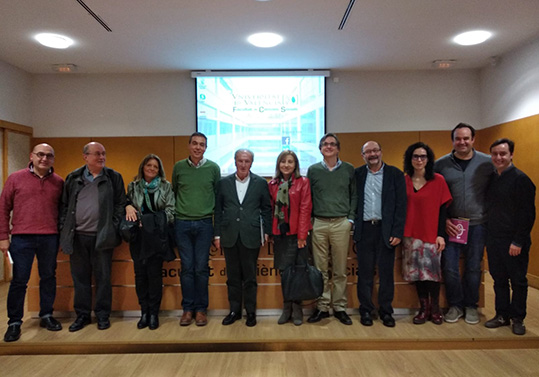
x=346, y=14
x=94, y=15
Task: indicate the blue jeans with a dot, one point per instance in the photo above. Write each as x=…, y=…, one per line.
x=464, y=292
x=23, y=248
x=194, y=238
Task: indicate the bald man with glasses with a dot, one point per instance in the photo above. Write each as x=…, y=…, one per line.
x=31, y=197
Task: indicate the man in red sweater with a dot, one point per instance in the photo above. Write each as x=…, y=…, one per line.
x=32, y=197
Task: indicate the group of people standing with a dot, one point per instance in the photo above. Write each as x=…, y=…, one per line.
x=241, y=212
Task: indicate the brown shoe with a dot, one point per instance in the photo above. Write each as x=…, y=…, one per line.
x=201, y=319
x=187, y=318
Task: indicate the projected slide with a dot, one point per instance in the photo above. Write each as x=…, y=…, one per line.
x=263, y=114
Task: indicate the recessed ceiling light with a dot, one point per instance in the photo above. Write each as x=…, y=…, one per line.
x=265, y=40
x=472, y=37
x=54, y=40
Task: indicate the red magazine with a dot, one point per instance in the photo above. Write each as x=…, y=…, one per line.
x=462, y=236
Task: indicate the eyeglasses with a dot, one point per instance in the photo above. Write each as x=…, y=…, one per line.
x=375, y=150
x=98, y=154
x=329, y=144
x=417, y=157
x=48, y=156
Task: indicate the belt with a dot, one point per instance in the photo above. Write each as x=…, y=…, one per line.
x=330, y=218
x=373, y=222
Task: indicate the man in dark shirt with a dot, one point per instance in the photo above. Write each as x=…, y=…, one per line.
x=511, y=214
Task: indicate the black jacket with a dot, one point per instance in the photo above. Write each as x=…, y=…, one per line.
x=111, y=209
x=234, y=220
x=393, y=203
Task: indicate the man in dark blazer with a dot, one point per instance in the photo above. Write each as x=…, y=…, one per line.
x=242, y=225
x=379, y=227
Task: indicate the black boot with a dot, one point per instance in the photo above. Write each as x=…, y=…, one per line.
x=143, y=322
x=154, y=321
x=287, y=313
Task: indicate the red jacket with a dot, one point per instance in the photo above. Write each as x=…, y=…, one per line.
x=300, y=206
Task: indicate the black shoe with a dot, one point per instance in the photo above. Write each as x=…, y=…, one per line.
x=251, y=320
x=13, y=333
x=231, y=318
x=366, y=319
x=317, y=316
x=143, y=322
x=79, y=323
x=388, y=320
x=154, y=321
x=518, y=327
x=50, y=323
x=497, y=321
x=103, y=323
x=343, y=317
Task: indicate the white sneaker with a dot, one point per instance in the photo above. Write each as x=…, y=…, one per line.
x=472, y=316
x=453, y=314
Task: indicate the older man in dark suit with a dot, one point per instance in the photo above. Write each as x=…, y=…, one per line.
x=379, y=226
x=242, y=225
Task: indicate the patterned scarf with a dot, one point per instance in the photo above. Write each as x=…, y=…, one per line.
x=151, y=188
x=282, y=201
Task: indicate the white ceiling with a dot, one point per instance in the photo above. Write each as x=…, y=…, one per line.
x=174, y=35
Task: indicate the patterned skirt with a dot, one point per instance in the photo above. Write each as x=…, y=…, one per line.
x=420, y=261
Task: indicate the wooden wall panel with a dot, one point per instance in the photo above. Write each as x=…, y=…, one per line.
x=269, y=289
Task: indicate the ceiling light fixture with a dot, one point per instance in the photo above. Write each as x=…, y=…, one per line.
x=472, y=37
x=444, y=64
x=64, y=68
x=265, y=40
x=54, y=40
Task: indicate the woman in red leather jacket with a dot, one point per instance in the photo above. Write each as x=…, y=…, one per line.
x=291, y=204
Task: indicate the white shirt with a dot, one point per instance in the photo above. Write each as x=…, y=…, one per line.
x=241, y=187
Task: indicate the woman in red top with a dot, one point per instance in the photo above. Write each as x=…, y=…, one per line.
x=291, y=203
x=428, y=197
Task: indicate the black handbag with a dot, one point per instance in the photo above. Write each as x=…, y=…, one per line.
x=302, y=282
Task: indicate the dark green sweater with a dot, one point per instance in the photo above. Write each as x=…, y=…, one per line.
x=333, y=192
x=195, y=189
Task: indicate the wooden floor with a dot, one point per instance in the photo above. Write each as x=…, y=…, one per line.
x=323, y=349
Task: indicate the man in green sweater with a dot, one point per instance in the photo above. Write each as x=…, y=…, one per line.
x=194, y=181
x=334, y=203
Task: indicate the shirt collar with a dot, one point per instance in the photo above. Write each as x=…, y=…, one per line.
x=242, y=180
x=337, y=165
x=200, y=163
x=89, y=176
x=31, y=168
x=381, y=171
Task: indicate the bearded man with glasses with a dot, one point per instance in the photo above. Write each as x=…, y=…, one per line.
x=379, y=228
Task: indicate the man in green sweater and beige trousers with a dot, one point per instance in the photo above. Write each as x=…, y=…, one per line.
x=334, y=204
x=194, y=181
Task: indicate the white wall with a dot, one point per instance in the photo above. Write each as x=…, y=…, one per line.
x=510, y=90
x=164, y=104
x=402, y=100
x=14, y=94
x=113, y=105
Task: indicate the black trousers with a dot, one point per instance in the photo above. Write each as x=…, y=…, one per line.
x=85, y=262
x=241, y=277
x=505, y=268
x=372, y=252
x=149, y=283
